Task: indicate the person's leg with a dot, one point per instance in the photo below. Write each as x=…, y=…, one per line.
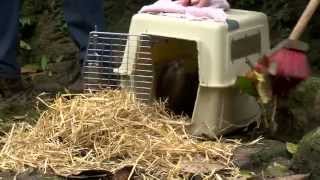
x=9, y=23
x=82, y=16
x=10, y=80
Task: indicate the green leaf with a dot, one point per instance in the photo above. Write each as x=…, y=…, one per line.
x=292, y=148
x=25, y=21
x=59, y=59
x=276, y=169
x=44, y=62
x=50, y=73
x=247, y=174
x=25, y=45
x=30, y=68
x=246, y=86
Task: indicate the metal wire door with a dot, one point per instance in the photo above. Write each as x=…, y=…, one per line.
x=119, y=61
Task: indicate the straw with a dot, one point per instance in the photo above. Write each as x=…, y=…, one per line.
x=110, y=131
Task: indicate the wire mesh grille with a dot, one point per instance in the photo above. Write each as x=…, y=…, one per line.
x=119, y=60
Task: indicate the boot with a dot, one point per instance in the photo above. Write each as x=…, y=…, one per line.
x=77, y=86
x=9, y=87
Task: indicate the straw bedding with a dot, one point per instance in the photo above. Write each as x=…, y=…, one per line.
x=110, y=131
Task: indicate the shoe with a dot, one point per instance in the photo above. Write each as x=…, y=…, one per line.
x=14, y=92
x=9, y=87
x=77, y=86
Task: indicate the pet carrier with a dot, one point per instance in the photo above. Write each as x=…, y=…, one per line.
x=196, y=62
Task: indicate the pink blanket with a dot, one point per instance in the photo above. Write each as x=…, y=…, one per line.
x=214, y=11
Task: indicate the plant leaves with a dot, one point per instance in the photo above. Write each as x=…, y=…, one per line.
x=292, y=148
x=25, y=21
x=246, y=86
x=44, y=62
x=247, y=174
x=59, y=59
x=25, y=45
x=30, y=68
x=50, y=74
x=261, y=84
x=264, y=87
x=20, y=117
x=277, y=169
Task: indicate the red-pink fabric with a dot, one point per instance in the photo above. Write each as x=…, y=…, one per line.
x=291, y=63
x=215, y=10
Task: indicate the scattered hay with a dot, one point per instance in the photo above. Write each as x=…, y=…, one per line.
x=110, y=131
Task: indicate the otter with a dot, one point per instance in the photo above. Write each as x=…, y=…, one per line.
x=178, y=86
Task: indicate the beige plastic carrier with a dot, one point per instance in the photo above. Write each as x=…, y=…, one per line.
x=222, y=51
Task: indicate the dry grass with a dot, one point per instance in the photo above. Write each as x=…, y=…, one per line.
x=110, y=131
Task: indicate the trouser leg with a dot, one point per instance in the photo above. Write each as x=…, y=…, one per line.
x=82, y=16
x=9, y=23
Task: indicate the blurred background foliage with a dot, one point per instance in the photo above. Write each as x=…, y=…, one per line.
x=44, y=32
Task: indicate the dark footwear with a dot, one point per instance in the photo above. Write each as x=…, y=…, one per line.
x=14, y=92
x=77, y=86
x=9, y=87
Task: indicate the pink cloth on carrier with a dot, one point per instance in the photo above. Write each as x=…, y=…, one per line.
x=215, y=10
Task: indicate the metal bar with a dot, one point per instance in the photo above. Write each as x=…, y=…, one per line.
x=118, y=80
x=119, y=45
x=96, y=67
x=90, y=84
x=141, y=76
x=92, y=72
x=107, y=50
x=106, y=68
x=110, y=85
x=112, y=62
x=107, y=56
x=109, y=62
x=122, y=39
x=114, y=33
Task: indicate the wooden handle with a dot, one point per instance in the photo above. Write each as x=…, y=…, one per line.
x=304, y=19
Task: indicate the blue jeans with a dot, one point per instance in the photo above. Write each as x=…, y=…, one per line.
x=81, y=16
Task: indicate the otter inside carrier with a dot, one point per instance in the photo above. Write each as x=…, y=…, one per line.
x=194, y=63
